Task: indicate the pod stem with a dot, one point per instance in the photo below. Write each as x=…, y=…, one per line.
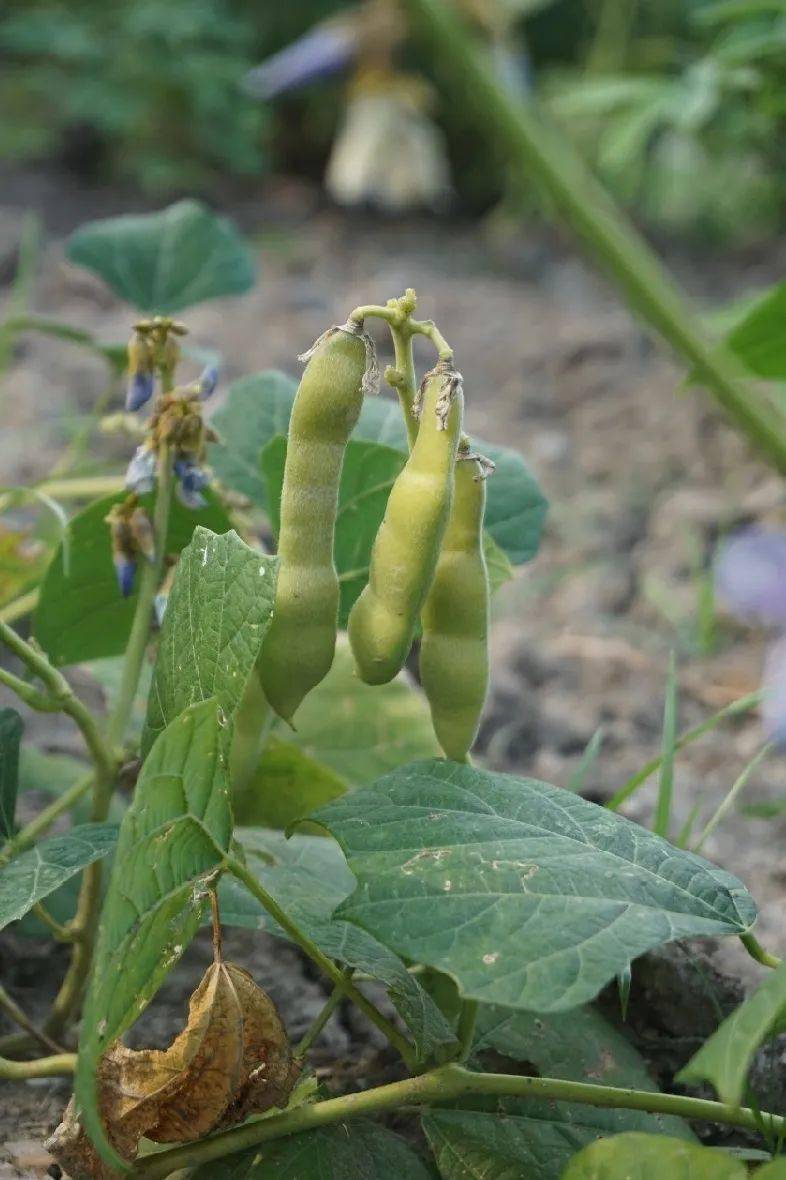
x=397, y=314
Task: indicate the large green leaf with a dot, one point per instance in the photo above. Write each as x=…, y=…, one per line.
x=83, y=616
x=34, y=874
x=171, y=841
x=527, y=895
x=10, y=738
x=163, y=262
x=725, y=1058
x=258, y=409
x=539, y=1137
x=219, y=609
x=348, y=734
x=758, y=338
x=635, y=1156
x=355, y=1150
x=367, y=476
x=308, y=876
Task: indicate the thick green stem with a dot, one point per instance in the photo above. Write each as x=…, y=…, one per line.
x=465, y=1031
x=325, y=964
x=446, y=1084
x=58, y=1066
x=19, y=607
x=757, y=951
x=541, y=153
x=406, y=381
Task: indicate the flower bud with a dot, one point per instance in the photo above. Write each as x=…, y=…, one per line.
x=141, y=471
x=140, y=370
x=191, y=480
x=142, y=533
x=125, y=568
x=208, y=381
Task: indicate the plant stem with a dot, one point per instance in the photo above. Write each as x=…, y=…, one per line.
x=19, y=607
x=30, y=832
x=757, y=951
x=541, y=153
x=149, y=581
x=319, y=1022
x=60, y=932
x=58, y=1066
x=726, y=803
x=239, y=870
x=445, y=1084
x=406, y=382
x=20, y=1017
x=743, y=705
x=465, y=1031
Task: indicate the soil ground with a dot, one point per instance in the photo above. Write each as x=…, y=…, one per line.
x=642, y=479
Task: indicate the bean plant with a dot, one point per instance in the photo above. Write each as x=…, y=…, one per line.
x=268, y=762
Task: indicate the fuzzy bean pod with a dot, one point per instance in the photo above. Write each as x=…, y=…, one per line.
x=383, y=620
x=298, y=649
x=454, y=663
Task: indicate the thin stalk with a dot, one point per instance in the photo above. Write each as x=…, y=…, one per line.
x=149, y=582
x=445, y=1084
x=757, y=952
x=465, y=1031
x=666, y=784
x=399, y=1042
x=57, y=929
x=726, y=803
x=20, y=1017
x=19, y=607
x=405, y=379
x=58, y=1066
x=28, y=835
x=539, y=152
x=743, y=705
x=322, y=1017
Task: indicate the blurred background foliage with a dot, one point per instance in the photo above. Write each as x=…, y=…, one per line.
x=679, y=105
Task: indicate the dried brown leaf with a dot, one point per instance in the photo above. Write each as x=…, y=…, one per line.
x=232, y=1059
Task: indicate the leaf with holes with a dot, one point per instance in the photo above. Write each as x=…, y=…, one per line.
x=82, y=616
x=356, y=1150
x=527, y=895
x=725, y=1058
x=163, y=262
x=172, y=839
x=33, y=875
x=219, y=609
x=308, y=876
x=10, y=739
x=651, y=1157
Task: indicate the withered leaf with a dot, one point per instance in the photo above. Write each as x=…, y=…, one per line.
x=232, y=1059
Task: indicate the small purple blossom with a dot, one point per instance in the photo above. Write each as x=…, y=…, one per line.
x=140, y=390
x=208, y=381
x=323, y=51
x=141, y=471
x=125, y=568
x=750, y=580
x=191, y=480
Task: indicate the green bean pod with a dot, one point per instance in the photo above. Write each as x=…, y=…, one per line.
x=298, y=649
x=454, y=663
x=382, y=622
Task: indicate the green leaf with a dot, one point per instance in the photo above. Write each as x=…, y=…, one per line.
x=527, y=895
x=651, y=1157
x=497, y=563
x=35, y=874
x=355, y=1150
x=171, y=841
x=83, y=616
x=308, y=876
x=776, y=1170
x=286, y=785
x=10, y=739
x=163, y=262
x=758, y=339
x=725, y=1058
x=219, y=609
x=367, y=476
x=257, y=408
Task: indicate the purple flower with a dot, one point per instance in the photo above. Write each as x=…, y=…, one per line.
x=325, y=50
x=208, y=381
x=125, y=568
x=140, y=390
x=191, y=480
x=141, y=471
x=750, y=580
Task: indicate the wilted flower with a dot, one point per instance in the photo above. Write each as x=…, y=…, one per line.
x=323, y=51
x=191, y=480
x=125, y=568
x=141, y=369
x=750, y=578
x=208, y=380
x=142, y=532
x=141, y=471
